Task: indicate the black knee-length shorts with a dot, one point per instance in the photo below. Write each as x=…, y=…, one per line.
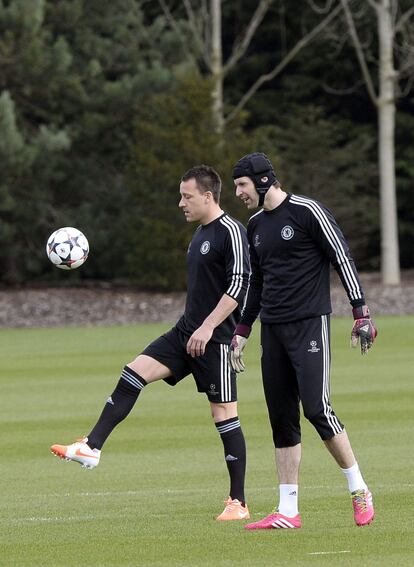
x=296, y=369
x=211, y=371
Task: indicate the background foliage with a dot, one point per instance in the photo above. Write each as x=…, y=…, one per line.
x=102, y=110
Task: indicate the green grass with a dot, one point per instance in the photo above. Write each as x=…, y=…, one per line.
x=162, y=477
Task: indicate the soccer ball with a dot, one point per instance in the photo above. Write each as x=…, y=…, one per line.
x=67, y=248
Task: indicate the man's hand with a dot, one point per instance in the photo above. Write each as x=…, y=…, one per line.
x=236, y=353
x=197, y=343
x=237, y=345
x=363, y=330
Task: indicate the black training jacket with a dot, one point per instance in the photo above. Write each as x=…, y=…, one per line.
x=291, y=249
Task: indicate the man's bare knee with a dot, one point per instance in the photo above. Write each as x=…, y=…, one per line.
x=221, y=411
x=149, y=368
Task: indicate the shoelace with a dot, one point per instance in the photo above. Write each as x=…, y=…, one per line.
x=274, y=512
x=229, y=505
x=359, y=500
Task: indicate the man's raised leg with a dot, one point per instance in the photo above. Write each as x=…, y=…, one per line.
x=87, y=450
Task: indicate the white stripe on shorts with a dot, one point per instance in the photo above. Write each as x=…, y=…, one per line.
x=225, y=377
x=327, y=408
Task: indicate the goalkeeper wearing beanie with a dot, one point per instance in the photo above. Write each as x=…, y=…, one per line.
x=293, y=240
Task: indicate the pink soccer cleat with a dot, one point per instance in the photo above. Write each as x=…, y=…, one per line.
x=275, y=521
x=363, y=507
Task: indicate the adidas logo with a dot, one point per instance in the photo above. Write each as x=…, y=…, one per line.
x=231, y=458
x=293, y=493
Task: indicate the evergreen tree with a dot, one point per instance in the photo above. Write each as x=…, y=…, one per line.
x=75, y=73
x=30, y=146
x=173, y=132
x=103, y=106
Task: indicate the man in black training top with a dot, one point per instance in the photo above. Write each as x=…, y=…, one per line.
x=218, y=271
x=293, y=240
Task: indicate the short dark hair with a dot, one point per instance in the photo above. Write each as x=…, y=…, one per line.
x=206, y=178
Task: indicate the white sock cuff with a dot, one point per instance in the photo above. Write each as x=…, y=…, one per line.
x=287, y=488
x=354, y=478
x=353, y=469
x=288, y=500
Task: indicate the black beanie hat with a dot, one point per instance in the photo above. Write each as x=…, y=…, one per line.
x=259, y=169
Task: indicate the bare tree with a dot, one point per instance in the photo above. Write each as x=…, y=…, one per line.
x=395, y=31
x=205, y=26
x=206, y=31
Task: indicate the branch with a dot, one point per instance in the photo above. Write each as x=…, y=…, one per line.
x=171, y=20
x=285, y=61
x=192, y=18
x=342, y=92
x=404, y=44
x=404, y=19
x=319, y=10
x=359, y=51
x=405, y=91
x=394, y=14
x=204, y=19
x=240, y=48
x=407, y=65
x=196, y=33
x=374, y=4
x=169, y=17
x=282, y=25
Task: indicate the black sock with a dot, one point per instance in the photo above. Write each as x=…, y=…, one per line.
x=235, y=454
x=117, y=406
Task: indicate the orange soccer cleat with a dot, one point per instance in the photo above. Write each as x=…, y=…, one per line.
x=234, y=510
x=79, y=452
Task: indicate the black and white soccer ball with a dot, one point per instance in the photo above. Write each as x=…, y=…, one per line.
x=67, y=248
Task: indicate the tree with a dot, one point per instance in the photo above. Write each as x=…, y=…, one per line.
x=395, y=36
x=30, y=148
x=72, y=75
x=172, y=132
x=329, y=160
x=206, y=34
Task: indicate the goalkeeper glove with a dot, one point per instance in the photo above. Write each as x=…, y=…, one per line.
x=363, y=330
x=238, y=342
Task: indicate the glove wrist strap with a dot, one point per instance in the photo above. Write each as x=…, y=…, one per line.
x=243, y=330
x=361, y=312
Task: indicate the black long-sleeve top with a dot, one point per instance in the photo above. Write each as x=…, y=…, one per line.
x=291, y=249
x=217, y=264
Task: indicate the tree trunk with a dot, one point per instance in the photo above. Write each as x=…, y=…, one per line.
x=390, y=259
x=217, y=66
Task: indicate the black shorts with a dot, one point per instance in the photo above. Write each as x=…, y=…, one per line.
x=212, y=372
x=296, y=368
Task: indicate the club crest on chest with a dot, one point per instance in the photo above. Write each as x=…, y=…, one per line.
x=287, y=232
x=205, y=247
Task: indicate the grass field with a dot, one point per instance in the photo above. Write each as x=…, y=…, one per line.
x=162, y=478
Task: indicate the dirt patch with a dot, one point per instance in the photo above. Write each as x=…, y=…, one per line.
x=87, y=306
